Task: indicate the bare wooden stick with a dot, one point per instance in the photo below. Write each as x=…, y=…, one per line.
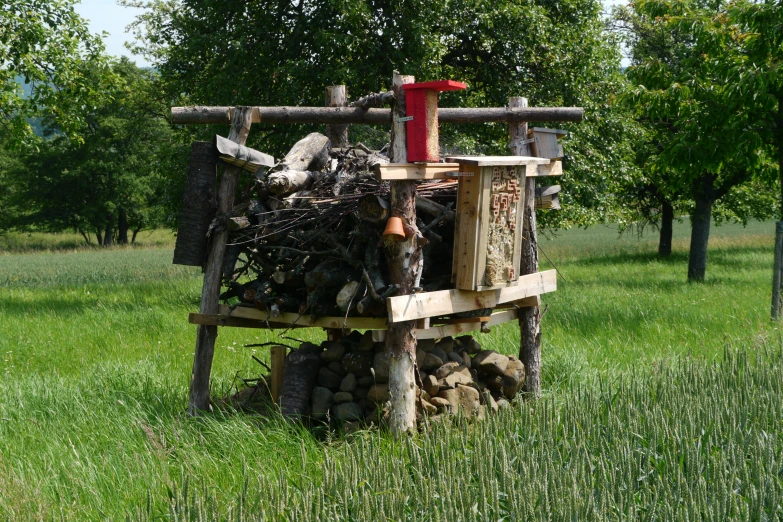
x=210, y=291
x=346, y=115
x=529, y=317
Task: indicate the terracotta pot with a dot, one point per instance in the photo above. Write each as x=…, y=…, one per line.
x=394, y=228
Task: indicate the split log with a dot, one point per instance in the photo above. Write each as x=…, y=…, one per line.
x=373, y=209
x=346, y=295
x=299, y=378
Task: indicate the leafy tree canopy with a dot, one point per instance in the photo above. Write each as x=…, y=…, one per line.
x=47, y=45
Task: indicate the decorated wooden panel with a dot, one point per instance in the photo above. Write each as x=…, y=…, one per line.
x=487, y=247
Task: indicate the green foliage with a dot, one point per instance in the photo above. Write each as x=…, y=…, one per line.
x=121, y=163
x=267, y=52
x=48, y=45
x=642, y=411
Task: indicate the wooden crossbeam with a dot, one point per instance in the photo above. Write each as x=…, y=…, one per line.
x=445, y=302
x=345, y=115
x=450, y=330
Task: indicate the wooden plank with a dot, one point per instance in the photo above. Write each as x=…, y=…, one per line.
x=469, y=220
x=359, y=323
x=445, y=302
x=483, y=224
x=553, y=169
x=497, y=161
x=416, y=171
x=450, y=330
x=236, y=322
x=277, y=354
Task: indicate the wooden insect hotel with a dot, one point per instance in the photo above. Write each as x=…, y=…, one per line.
x=412, y=250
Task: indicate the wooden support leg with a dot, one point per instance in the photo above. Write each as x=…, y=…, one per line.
x=278, y=364
x=529, y=317
x=213, y=273
x=402, y=258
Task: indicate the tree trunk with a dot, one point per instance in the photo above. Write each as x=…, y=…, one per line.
x=337, y=134
x=777, y=274
x=108, y=235
x=700, y=227
x=529, y=317
x=403, y=258
x=133, y=237
x=99, y=236
x=122, y=227
x=667, y=222
x=777, y=271
x=210, y=291
x=85, y=236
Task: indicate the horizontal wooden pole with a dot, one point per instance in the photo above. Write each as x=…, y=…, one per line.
x=345, y=115
x=445, y=302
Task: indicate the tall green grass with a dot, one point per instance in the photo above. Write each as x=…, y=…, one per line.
x=653, y=410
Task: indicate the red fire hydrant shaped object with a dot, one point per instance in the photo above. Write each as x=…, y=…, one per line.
x=421, y=105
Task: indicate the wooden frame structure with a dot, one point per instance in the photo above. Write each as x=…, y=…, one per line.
x=424, y=311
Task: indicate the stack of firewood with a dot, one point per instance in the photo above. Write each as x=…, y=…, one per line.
x=307, y=236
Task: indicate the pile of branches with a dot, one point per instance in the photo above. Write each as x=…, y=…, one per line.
x=307, y=237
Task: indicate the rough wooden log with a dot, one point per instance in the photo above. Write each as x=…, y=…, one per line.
x=199, y=204
x=210, y=291
x=299, y=378
x=345, y=115
x=346, y=295
x=373, y=209
x=529, y=317
x=434, y=209
x=299, y=169
x=403, y=258
x=337, y=134
x=290, y=181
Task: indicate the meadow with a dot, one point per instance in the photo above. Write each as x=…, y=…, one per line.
x=662, y=399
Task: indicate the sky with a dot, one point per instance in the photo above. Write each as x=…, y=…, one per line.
x=106, y=15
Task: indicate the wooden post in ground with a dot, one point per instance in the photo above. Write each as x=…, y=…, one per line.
x=529, y=317
x=403, y=258
x=213, y=273
x=277, y=356
x=337, y=134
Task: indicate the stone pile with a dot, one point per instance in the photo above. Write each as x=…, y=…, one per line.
x=454, y=374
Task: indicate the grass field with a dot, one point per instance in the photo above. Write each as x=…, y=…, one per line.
x=663, y=399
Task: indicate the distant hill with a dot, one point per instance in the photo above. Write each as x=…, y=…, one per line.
x=27, y=89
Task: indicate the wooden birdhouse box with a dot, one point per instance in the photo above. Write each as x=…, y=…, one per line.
x=546, y=142
x=422, y=118
x=488, y=234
